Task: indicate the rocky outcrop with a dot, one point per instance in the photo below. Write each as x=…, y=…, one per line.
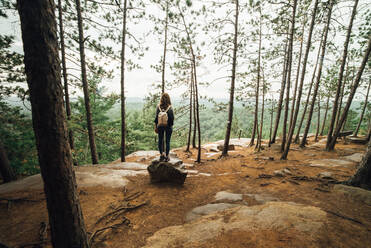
x=267, y=223
x=171, y=171
x=354, y=193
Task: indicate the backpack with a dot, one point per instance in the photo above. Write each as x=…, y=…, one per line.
x=162, y=117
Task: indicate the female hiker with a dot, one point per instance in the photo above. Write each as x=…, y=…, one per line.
x=164, y=125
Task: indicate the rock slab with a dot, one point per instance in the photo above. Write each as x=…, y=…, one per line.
x=166, y=172
x=355, y=193
x=266, y=223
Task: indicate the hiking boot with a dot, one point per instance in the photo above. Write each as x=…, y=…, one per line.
x=167, y=159
x=162, y=158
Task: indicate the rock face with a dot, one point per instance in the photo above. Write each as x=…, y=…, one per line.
x=267, y=223
x=166, y=172
x=356, y=157
x=355, y=193
x=227, y=196
x=331, y=163
x=198, y=212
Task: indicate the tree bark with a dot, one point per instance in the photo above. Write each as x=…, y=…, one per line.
x=259, y=142
x=323, y=51
x=256, y=120
x=64, y=69
x=190, y=110
x=318, y=119
x=324, y=118
x=288, y=83
x=165, y=47
x=351, y=96
x=233, y=78
x=40, y=43
x=6, y=171
x=280, y=100
x=362, y=177
x=296, y=140
x=297, y=76
x=194, y=117
x=122, y=83
x=340, y=78
x=271, y=125
x=363, y=110
x=85, y=86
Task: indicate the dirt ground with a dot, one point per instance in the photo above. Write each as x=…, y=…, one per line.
x=349, y=221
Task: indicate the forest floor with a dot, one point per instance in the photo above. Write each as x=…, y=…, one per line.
x=157, y=215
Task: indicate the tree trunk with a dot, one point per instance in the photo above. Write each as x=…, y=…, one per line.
x=363, y=110
x=287, y=102
x=194, y=116
x=89, y=121
x=256, y=120
x=40, y=43
x=122, y=83
x=198, y=160
x=6, y=170
x=296, y=141
x=233, y=78
x=298, y=100
x=64, y=69
x=318, y=119
x=342, y=95
x=297, y=75
x=271, y=125
x=280, y=100
x=351, y=95
x=324, y=118
x=340, y=78
x=259, y=142
x=362, y=177
x=323, y=51
x=190, y=110
x=165, y=47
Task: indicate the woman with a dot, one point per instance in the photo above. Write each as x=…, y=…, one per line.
x=164, y=124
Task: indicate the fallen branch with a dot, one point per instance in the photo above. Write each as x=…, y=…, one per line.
x=345, y=217
x=114, y=226
x=124, y=209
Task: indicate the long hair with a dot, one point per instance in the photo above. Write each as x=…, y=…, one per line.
x=165, y=101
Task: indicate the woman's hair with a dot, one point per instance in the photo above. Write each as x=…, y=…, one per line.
x=165, y=101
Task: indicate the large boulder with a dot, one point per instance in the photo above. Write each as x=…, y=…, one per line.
x=255, y=226
x=355, y=193
x=166, y=172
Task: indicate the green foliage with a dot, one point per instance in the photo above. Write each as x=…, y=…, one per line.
x=17, y=135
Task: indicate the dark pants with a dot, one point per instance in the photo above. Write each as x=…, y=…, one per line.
x=168, y=131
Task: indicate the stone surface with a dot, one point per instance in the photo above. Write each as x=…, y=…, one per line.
x=355, y=193
x=207, y=209
x=304, y=224
x=331, y=163
x=211, y=154
x=356, y=157
x=243, y=142
x=227, y=196
x=146, y=154
x=212, y=147
x=125, y=165
x=166, y=172
x=326, y=175
x=173, y=161
x=263, y=198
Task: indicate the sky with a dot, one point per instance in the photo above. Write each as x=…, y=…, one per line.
x=139, y=81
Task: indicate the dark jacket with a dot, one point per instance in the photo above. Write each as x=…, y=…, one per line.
x=170, y=116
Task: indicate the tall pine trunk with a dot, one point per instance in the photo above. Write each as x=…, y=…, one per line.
x=122, y=84
x=64, y=69
x=340, y=78
x=271, y=125
x=256, y=119
x=363, y=109
x=325, y=116
x=282, y=92
x=233, y=78
x=259, y=142
x=190, y=110
x=194, y=116
x=288, y=83
x=165, y=48
x=296, y=140
x=40, y=44
x=362, y=177
x=315, y=91
x=308, y=45
x=318, y=119
x=331, y=146
x=6, y=171
x=85, y=86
